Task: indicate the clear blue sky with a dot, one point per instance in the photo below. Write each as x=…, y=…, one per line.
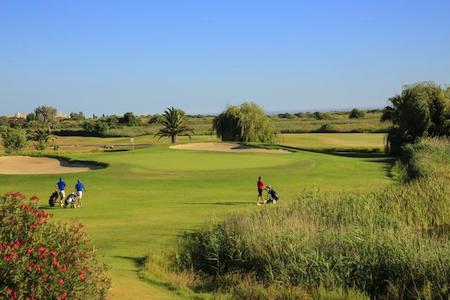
x=143, y=56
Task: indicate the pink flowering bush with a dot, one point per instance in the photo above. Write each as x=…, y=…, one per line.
x=45, y=260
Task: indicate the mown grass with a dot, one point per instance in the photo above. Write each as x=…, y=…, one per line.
x=388, y=244
x=364, y=142
x=146, y=198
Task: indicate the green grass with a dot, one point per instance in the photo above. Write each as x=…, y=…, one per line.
x=334, y=141
x=141, y=203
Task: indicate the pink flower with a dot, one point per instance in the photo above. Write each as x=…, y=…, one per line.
x=82, y=276
x=60, y=282
x=37, y=267
x=63, y=296
x=16, y=244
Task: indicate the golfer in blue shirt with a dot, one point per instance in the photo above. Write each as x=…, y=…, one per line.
x=79, y=187
x=61, y=189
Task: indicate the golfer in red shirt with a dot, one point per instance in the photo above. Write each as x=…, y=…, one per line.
x=261, y=186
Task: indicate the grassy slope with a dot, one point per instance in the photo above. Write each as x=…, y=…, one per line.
x=146, y=198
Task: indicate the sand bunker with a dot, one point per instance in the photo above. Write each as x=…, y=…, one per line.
x=40, y=165
x=225, y=147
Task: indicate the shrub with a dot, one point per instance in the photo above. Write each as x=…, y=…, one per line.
x=356, y=114
x=14, y=140
x=41, y=135
x=97, y=127
x=318, y=115
x=154, y=119
x=129, y=119
x=45, y=260
x=422, y=110
x=326, y=128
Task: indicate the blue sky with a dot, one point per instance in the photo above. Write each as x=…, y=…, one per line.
x=143, y=56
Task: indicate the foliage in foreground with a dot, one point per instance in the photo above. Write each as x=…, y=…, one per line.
x=394, y=243
x=244, y=123
x=44, y=260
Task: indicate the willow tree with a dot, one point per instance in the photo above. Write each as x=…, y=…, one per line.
x=244, y=123
x=421, y=109
x=174, y=123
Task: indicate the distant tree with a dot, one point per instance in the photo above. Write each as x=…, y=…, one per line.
x=174, y=123
x=154, y=119
x=31, y=117
x=421, y=109
x=299, y=115
x=79, y=116
x=45, y=116
x=286, y=116
x=14, y=140
x=356, y=114
x=245, y=123
x=39, y=134
x=111, y=121
x=96, y=127
x=318, y=115
x=129, y=119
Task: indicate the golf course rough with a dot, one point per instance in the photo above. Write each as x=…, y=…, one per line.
x=146, y=198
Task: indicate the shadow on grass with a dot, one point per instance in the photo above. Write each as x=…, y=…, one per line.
x=217, y=203
x=138, y=262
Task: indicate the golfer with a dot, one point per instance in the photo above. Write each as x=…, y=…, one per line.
x=61, y=189
x=79, y=187
x=260, y=185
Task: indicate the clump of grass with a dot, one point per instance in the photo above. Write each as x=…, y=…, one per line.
x=394, y=243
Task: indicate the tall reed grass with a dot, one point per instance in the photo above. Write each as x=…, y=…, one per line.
x=394, y=243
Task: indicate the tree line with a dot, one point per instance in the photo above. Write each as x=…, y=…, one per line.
x=421, y=110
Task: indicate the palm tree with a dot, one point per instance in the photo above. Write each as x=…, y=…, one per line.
x=174, y=121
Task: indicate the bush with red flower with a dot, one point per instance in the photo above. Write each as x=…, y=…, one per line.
x=45, y=260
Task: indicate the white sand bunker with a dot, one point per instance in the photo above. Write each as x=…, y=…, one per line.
x=40, y=165
x=226, y=147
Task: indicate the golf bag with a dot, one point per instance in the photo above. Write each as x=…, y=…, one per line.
x=53, y=198
x=71, y=200
x=272, y=196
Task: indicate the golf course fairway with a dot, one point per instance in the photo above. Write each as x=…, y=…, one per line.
x=145, y=198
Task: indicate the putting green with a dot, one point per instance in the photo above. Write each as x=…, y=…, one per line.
x=144, y=199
